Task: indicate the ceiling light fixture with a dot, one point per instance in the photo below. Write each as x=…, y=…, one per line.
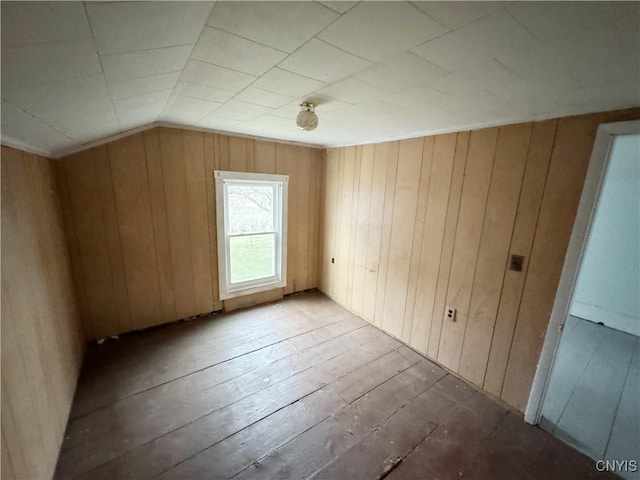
x=307, y=118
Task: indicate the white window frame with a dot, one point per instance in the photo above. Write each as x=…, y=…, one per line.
x=281, y=183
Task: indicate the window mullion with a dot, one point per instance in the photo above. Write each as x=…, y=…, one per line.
x=233, y=235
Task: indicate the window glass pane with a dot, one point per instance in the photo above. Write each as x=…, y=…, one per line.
x=250, y=208
x=252, y=257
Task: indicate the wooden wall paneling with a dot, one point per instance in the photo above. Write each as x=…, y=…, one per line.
x=362, y=228
x=303, y=187
x=14, y=409
x=196, y=178
x=567, y=170
x=475, y=189
x=66, y=343
x=38, y=233
x=43, y=421
x=355, y=189
x=92, y=244
x=338, y=273
x=485, y=190
x=240, y=154
x=570, y=157
x=492, y=260
x=535, y=175
x=237, y=154
x=6, y=465
x=345, y=198
x=343, y=213
x=38, y=267
x=374, y=230
x=451, y=225
x=160, y=227
x=325, y=243
x=169, y=169
x=112, y=234
x=297, y=224
x=286, y=163
x=216, y=150
x=63, y=286
x=431, y=246
x=251, y=161
x=26, y=386
x=402, y=227
x=329, y=219
x=41, y=341
x=264, y=157
x=223, y=161
x=73, y=248
x=314, y=233
x=321, y=249
x=339, y=269
x=321, y=231
x=339, y=207
x=175, y=188
x=133, y=204
x=11, y=452
x=389, y=152
x=418, y=233
x=210, y=185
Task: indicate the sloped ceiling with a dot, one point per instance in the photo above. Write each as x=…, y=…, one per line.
x=76, y=72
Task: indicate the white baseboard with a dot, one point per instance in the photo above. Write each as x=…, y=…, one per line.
x=618, y=321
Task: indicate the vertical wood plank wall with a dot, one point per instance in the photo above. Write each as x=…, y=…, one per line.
x=42, y=344
x=416, y=225
x=141, y=216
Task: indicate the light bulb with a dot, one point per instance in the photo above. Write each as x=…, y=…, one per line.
x=307, y=118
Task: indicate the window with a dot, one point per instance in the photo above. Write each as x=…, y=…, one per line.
x=252, y=232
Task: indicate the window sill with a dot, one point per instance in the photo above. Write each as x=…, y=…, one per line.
x=250, y=290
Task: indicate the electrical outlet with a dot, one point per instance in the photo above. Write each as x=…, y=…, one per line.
x=450, y=313
x=515, y=263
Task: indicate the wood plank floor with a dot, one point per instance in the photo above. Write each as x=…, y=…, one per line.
x=292, y=390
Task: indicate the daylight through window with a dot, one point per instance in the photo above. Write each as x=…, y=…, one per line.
x=252, y=225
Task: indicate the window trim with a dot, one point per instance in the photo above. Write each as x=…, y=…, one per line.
x=279, y=280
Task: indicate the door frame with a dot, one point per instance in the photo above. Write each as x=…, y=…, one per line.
x=573, y=259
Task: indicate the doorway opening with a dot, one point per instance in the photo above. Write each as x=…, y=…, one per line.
x=587, y=386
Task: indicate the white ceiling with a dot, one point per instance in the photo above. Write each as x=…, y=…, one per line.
x=77, y=72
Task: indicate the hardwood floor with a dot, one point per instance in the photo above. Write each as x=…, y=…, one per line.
x=296, y=389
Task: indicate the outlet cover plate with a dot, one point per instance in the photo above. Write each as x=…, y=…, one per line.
x=450, y=313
